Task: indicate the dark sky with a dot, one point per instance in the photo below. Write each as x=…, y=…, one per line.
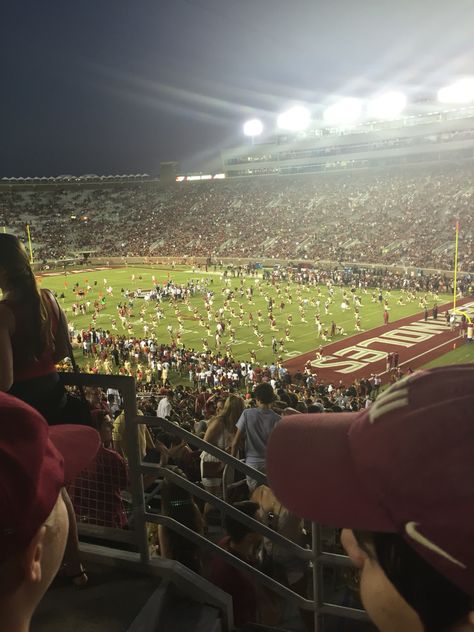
x=114, y=86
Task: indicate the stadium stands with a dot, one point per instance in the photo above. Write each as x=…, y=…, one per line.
x=390, y=217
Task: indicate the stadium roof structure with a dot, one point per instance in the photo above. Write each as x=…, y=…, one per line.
x=436, y=134
x=71, y=178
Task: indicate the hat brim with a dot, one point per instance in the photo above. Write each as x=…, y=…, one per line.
x=77, y=444
x=311, y=470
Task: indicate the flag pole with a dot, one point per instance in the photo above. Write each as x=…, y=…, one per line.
x=29, y=242
x=456, y=266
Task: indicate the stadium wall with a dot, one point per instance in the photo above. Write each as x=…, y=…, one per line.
x=119, y=262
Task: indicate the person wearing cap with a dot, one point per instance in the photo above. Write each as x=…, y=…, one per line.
x=36, y=462
x=399, y=478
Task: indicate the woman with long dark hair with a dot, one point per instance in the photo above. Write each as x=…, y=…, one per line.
x=33, y=337
x=32, y=334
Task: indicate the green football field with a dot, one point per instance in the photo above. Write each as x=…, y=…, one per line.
x=144, y=323
x=463, y=354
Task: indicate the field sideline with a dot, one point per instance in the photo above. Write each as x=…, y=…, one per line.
x=303, y=336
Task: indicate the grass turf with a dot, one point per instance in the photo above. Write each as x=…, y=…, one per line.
x=304, y=335
x=463, y=354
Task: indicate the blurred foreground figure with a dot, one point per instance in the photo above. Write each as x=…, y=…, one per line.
x=36, y=462
x=399, y=476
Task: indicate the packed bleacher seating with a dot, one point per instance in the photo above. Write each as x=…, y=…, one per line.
x=391, y=217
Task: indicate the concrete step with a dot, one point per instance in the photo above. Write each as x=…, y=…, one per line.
x=109, y=603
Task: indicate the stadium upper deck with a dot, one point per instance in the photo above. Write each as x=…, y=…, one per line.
x=402, y=212
x=438, y=136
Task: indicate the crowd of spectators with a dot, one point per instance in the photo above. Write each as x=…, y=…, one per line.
x=393, y=217
x=210, y=411
x=100, y=494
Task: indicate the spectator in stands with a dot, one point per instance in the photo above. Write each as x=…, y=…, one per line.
x=36, y=462
x=220, y=432
x=402, y=476
x=113, y=405
x=33, y=337
x=249, y=601
x=97, y=492
x=281, y=563
x=253, y=430
x=145, y=441
x=97, y=399
x=177, y=452
x=165, y=405
x=33, y=334
x=178, y=504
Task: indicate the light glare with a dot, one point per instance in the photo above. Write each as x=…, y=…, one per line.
x=345, y=111
x=388, y=105
x=461, y=91
x=254, y=127
x=295, y=119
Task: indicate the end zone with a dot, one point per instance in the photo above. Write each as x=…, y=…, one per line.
x=415, y=340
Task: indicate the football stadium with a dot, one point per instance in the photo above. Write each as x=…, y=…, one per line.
x=242, y=398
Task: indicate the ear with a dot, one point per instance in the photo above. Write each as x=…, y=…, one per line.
x=33, y=557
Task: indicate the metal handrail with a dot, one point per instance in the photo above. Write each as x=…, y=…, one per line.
x=203, y=542
x=126, y=385
x=205, y=446
x=329, y=559
x=230, y=510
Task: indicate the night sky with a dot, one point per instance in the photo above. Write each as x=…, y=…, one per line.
x=118, y=86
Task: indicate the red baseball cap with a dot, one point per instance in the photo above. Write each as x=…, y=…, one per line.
x=36, y=461
x=405, y=465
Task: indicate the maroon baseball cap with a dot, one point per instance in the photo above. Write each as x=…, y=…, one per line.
x=36, y=461
x=405, y=465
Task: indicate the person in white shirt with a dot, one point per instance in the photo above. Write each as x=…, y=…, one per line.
x=164, y=406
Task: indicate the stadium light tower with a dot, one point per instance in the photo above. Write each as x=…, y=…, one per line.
x=461, y=91
x=387, y=106
x=253, y=128
x=344, y=112
x=295, y=119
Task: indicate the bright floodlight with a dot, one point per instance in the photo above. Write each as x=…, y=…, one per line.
x=252, y=128
x=388, y=105
x=344, y=112
x=294, y=119
x=461, y=91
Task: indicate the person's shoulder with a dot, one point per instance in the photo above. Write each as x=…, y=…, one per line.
x=248, y=413
x=111, y=456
